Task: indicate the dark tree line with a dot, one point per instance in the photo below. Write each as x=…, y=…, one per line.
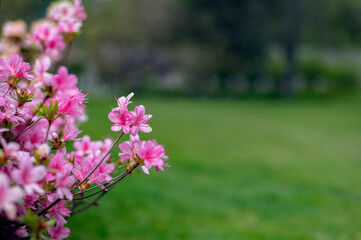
x=242, y=30
x=133, y=42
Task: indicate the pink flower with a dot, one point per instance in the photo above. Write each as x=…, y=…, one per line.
x=63, y=181
x=27, y=175
x=79, y=11
x=71, y=105
x=59, y=211
x=34, y=137
x=152, y=155
x=47, y=37
x=56, y=164
x=30, y=199
x=9, y=112
x=63, y=80
x=120, y=117
x=9, y=196
x=14, y=29
x=71, y=132
x=82, y=169
x=69, y=26
x=15, y=68
x=129, y=150
x=139, y=120
x=58, y=232
x=10, y=149
x=61, y=10
x=2, y=130
x=68, y=15
x=42, y=65
x=84, y=146
x=124, y=101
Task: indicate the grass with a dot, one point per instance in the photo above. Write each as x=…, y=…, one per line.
x=240, y=170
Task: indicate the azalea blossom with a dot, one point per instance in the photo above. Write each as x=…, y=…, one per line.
x=57, y=164
x=48, y=39
x=129, y=150
x=59, y=211
x=124, y=101
x=139, y=120
x=15, y=67
x=152, y=155
x=58, y=232
x=63, y=181
x=42, y=65
x=28, y=175
x=9, y=196
x=14, y=29
x=63, y=80
x=68, y=15
x=71, y=132
x=121, y=118
x=71, y=104
x=10, y=149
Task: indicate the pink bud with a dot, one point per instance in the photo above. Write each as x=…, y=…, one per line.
x=55, y=136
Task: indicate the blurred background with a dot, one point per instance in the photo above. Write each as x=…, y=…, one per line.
x=258, y=102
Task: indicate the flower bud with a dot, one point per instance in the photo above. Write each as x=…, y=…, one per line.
x=55, y=136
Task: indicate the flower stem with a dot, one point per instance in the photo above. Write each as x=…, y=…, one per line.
x=26, y=129
x=106, y=189
x=48, y=207
x=47, y=131
x=7, y=91
x=105, y=156
x=89, y=205
x=97, y=186
x=67, y=53
x=30, y=120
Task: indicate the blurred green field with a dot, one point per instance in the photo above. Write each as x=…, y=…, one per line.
x=240, y=170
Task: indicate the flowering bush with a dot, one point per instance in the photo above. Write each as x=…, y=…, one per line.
x=41, y=183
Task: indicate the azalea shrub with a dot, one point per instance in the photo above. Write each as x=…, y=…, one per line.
x=41, y=182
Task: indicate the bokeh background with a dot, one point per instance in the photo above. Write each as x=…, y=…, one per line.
x=258, y=102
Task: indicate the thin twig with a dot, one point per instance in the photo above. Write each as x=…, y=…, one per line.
x=107, y=188
x=74, y=199
x=67, y=53
x=30, y=120
x=7, y=91
x=48, y=207
x=115, y=143
x=89, y=205
x=58, y=200
x=26, y=129
x=47, y=131
x=97, y=186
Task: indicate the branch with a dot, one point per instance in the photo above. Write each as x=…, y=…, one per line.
x=108, y=187
x=26, y=129
x=80, y=198
x=67, y=53
x=47, y=131
x=48, y=207
x=30, y=120
x=116, y=141
x=97, y=186
x=89, y=205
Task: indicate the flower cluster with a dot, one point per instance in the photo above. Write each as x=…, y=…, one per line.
x=48, y=36
x=41, y=182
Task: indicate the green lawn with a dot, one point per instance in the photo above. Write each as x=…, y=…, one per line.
x=240, y=170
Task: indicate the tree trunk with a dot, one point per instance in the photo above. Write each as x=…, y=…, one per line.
x=290, y=57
